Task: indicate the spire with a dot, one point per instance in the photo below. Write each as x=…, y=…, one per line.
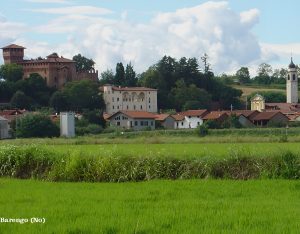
x=292, y=65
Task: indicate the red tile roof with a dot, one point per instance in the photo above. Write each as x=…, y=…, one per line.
x=214, y=115
x=267, y=115
x=178, y=117
x=116, y=88
x=13, y=46
x=136, y=114
x=161, y=117
x=199, y=113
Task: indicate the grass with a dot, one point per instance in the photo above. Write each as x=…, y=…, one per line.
x=190, y=206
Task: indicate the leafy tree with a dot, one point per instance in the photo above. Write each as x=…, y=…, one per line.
x=206, y=64
x=6, y=91
x=83, y=63
x=120, y=74
x=280, y=75
x=11, y=72
x=130, y=76
x=264, y=74
x=94, y=117
x=83, y=94
x=36, y=125
x=21, y=101
x=243, y=75
x=59, y=101
x=107, y=77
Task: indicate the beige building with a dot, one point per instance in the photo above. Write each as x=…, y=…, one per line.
x=129, y=99
x=258, y=103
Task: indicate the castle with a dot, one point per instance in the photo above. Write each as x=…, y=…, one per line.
x=56, y=71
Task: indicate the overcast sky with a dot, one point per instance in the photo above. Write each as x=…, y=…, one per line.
x=233, y=33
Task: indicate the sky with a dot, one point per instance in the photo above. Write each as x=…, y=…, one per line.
x=233, y=33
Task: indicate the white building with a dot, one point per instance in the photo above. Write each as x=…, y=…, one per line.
x=194, y=118
x=129, y=99
x=292, y=84
x=67, y=124
x=4, y=128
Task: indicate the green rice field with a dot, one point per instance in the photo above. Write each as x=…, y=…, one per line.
x=188, y=206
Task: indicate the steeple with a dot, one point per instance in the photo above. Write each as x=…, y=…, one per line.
x=292, y=84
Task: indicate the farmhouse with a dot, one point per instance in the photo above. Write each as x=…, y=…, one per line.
x=264, y=118
x=129, y=99
x=165, y=120
x=136, y=120
x=180, y=122
x=194, y=118
x=54, y=69
x=4, y=128
x=218, y=116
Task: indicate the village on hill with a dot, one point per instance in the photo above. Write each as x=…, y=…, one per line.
x=136, y=107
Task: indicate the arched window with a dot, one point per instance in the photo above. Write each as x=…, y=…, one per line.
x=294, y=77
x=141, y=97
x=288, y=77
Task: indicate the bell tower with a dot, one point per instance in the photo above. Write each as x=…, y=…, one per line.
x=13, y=54
x=292, y=84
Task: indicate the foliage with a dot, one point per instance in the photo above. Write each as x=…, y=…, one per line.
x=243, y=75
x=107, y=77
x=83, y=64
x=59, y=101
x=21, y=101
x=202, y=130
x=94, y=117
x=271, y=96
x=11, y=72
x=82, y=95
x=120, y=74
x=36, y=125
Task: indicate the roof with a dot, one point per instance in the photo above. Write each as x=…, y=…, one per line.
x=199, y=113
x=106, y=116
x=178, y=117
x=13, y=46
x=161, y=117
x=215, y=115
x=283, y=107
x=119, y=88
x=136, y=114
x=247, y=113
x=10, y=112
x=292, y=65
x=266, y=115
x=52, y=58
x=257, y=97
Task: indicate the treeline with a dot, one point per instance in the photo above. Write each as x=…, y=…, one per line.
x=182, y=84
x=266, y=75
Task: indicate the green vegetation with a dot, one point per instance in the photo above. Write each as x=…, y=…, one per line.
x=38, y=162
x=190, y=206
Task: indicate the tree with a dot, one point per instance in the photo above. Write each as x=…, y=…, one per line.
x=59, y=101
x=94, y=117
x=21, y=101
x=206, y=64
x=83, y=64
x=107, y=77
x=130, y=76
x=36, y=125
x=83, y=94
x=243, y=75
x=120, y=74
x=264, y=74
x=11, y=72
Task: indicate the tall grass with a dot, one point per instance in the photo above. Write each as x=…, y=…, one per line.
x=35, y=162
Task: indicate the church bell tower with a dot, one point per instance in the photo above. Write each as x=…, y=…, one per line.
x=292, y=84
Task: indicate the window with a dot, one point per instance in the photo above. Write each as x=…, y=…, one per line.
x=135, y=123
x=134, y=107
x=181, y=123
x=118, y=123
x=198, y=123
x=288, y=77
x=142, y=123
x=141, y=107
x=118, y=99
x=177, y=124
x=151, y=123
x=118, y=107
x=149, y=107
x=146, y=123
x=113, y=107
x=294, y=77
x=149, y=100
x=131, y=124
x=127, y=107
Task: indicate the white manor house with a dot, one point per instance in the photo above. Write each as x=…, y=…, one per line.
x=118, y=98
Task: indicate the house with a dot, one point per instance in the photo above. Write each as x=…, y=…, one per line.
x=218, y=116
x=4, y=128
x=119, y=98
x=194, y=118
x=136, y=120
x=165, y=120
x=245, y=117
x=180, y=122
x=264, y=118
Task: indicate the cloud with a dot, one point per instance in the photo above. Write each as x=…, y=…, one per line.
x=48, y=1
x=79, y=10
x=212, y=28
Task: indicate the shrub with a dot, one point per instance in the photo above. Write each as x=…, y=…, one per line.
x=202, y=130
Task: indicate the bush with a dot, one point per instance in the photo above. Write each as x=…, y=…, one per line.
x=202, y=130
x=36, y=125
